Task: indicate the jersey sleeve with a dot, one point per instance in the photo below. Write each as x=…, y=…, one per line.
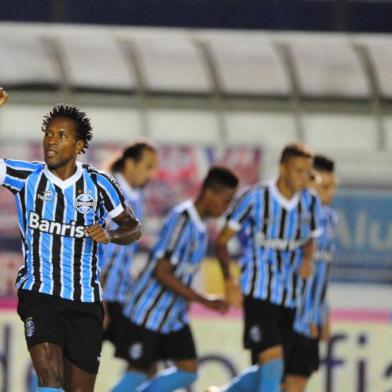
x=240, y=210
x=324, y=310
x=174, y=237
x=113, y=199
x=334, y=218
x=315, y=217
x=13, y=173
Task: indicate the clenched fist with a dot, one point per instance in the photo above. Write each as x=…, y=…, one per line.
x=233, y=293
x=98, y=234
x=215, y=303
x=3, y=96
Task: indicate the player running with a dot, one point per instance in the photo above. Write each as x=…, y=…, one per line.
x=312, y=318
x=158, y=326
x=279, y=221
x=61, y=206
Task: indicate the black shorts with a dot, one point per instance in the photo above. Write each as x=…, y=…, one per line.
x=75, y=326
x=267, y=325
x=304, y=357
x=142, y=347
x=116, y=320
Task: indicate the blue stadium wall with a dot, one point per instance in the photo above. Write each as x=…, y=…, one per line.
x=316, y=15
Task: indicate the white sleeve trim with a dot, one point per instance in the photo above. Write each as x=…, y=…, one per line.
x=174, y=260
x=316, y=233
x=116, y=212
x=3, y=171
x=160, y=255
x=234, y=225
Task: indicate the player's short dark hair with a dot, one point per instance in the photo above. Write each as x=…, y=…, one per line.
x=323, y=163
x=295, y=150
x=83, y=130
x=220, y=177
x=133, y=151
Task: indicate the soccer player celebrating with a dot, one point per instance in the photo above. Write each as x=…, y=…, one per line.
x=312, y=321
x=158, y=326
x=133, y=170
x=61, y=205
x=278, y=221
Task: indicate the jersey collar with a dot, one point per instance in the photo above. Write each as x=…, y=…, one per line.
x=289, y=204
x=63, y=184
x=190, y=206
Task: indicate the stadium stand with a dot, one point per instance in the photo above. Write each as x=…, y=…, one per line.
x=327, y=90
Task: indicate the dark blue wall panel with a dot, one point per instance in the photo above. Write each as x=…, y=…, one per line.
x=308, y=15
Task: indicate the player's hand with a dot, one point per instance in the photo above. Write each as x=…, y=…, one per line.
x=217, y=304
x=106, y=317
x=213, y=388
x=3, y=96
x=233, y=293
x=326, y=331
x=314, y=331
x=306, y=268
x=98, y=234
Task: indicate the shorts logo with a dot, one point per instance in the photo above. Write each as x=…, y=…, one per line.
x=85, y=203
x=29, y=327
x=255, y=334
x=135, y=351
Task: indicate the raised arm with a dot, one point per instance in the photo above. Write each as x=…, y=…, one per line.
x=3, y=96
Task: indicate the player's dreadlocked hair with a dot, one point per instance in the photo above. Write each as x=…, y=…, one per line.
x=83, y=130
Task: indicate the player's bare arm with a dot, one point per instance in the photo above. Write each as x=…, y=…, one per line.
x=3, y=96
x=222, y=252
x=164, y=274
x=232, y=291
x=128, y=231
x=326, y=329
x=306, y=268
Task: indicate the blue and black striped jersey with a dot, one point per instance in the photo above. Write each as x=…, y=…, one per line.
x=182, y=241
x=117, y=259
x=275, y=229
x=60, y=259
x=312, y=307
